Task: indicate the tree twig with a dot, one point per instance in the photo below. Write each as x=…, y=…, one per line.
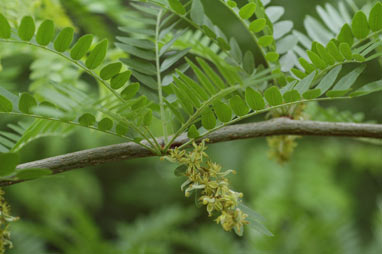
x=279, y=126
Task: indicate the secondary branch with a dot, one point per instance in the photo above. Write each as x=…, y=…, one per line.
x=279, y=126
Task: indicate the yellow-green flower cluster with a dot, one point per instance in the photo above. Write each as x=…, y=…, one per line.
x=5, y=219
x=211, y=185
x=282, y=147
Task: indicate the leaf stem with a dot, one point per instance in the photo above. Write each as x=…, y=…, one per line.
x=159, y=79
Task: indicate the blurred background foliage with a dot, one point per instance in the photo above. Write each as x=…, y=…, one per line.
x=327, y=199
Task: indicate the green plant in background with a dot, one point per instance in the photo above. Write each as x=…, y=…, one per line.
x=181, y=70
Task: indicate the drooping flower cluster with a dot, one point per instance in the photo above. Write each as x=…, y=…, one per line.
x=5, y=219
x=211, y=186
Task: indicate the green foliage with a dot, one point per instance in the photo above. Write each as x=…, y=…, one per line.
x=180, y=68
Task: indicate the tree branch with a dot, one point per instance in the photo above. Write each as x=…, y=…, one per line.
x=279, y=126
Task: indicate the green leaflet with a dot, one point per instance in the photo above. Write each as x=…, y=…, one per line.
x=140, y=53
x=211, y=73
x=26, y=103
x=329, y=79
x=110, y=70
x=308, y=67
x=130, y=91
x=223, y=43
x=316, y=60
x=258, y=25
x=120, y=80
x=143, y=67
x=375, y=17
x=147, y=118
x=87, y=119
x=26, y=29
x=358, y=58
x=170, y=61
x=346, y=35
x=45, y=32
x=121, y=130
x=266, y=40
x=177, y=6
x=254, y=99
x=236, y=51
x=231, y=3
x=325, y=55
x=292, y=96
x=9, y=161
x=97, y=55
x=223, y=111
x=247, y=10
x=346, y=51
x=184, y=99
x=306, y=83
x=238, y=105
x=139, y=43
x=64, y=39
x=190, y=93
x=208, y=119
x=81, y=47
x=249, y=62
x=205, y=82
x=5, y=28
x=368, y=88
x=273, y=96
x=333, y=51
x=105, y=124
x=5, y=104
x=176, y=112
x=272, y=56
x=197, y=12
x=298, y=73
x=209, y=32
x=311, y=94
x=193, y=132
x=348, y=80
x=360, y=26
x=31, y=173
x=139, y=103
x=202, y=94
